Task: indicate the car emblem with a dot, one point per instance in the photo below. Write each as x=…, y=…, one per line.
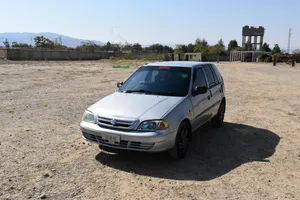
x=113, y=122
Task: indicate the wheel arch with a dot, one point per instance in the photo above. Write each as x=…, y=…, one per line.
x=188, y=122
x=224, y=100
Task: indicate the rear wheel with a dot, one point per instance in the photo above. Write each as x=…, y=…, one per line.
x=181, y=143
x=217, y=121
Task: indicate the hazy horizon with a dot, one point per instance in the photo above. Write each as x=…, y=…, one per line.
x=148, y=22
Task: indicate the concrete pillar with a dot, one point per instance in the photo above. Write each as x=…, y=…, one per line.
x=255, y=43
x=261, y=40
x=244, y=41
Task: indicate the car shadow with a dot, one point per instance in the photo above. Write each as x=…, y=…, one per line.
x=212, y=153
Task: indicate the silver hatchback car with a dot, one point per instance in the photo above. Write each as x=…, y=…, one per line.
x=157, y=108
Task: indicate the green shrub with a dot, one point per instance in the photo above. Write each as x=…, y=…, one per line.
x=289, y=62
x=265, y=58
x=268, y=59
x=128, y=56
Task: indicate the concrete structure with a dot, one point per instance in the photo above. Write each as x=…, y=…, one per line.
x=192, y=56
x=247, y=56
x=185, y=56
x=254, y=44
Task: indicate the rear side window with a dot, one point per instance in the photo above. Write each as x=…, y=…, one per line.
x=215, y=69
x=199, y=79
x=211, y=77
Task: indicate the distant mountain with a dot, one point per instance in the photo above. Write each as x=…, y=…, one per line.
x=28, y=38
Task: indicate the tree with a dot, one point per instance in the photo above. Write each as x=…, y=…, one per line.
x=214, y=49
x=6, y=44
x=20, y=45
x=190, y=48
x=108, y=46
x=248, y=47
x=218, y=48
x=238, y=48
x=158, y=48
x=181, y=49
x=232, y=45
x=127, y=47
x=276, y=49
x=168, y=49
x=137, y=47
x=201, y=45
x=42, y=42
x=265, y=47
x=221, y=45
x=59, y=46
x=88, y=46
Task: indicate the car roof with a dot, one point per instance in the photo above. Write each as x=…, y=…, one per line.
x=189, y=64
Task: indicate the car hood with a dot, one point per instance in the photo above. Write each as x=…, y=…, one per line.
x=134, y=106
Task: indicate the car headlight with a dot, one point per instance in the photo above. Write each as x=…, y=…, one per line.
x=88, y=117
x=153, y=125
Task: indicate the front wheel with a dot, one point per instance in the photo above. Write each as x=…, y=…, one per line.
x=217, y=121
x=181, y=143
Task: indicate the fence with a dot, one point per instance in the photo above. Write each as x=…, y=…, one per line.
x=47, y=54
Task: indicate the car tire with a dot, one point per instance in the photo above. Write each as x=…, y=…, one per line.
x=181, y=142
x=217, y=121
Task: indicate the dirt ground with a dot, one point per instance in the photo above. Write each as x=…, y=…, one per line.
x=255, y=155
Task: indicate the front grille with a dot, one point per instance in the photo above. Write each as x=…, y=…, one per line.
x=123, y=143
x=118, y=124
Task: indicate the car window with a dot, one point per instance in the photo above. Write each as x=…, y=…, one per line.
x=137, y=79
x=153, y=75
x=217, y=72
x=214, y=74
x=161, y=80
x=199, y=79
x=212, y=79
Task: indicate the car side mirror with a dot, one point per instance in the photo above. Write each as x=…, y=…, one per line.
x=119, y=84
x=201, y=90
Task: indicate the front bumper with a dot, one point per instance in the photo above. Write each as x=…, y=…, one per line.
x=131, y=140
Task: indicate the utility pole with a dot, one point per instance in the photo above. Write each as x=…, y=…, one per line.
x=289, y=40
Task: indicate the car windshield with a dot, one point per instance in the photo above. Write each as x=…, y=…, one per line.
x=159, y=80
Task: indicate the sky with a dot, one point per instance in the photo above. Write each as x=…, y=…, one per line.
x=155, y=21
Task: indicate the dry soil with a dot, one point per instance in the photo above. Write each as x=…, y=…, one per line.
x=255, y=155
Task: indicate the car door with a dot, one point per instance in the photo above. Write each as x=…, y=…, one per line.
x=214, y=88
x=200, y=102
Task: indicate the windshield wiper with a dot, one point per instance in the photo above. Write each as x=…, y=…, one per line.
x=141, y=91
x=168, y=94
x=151, y=92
